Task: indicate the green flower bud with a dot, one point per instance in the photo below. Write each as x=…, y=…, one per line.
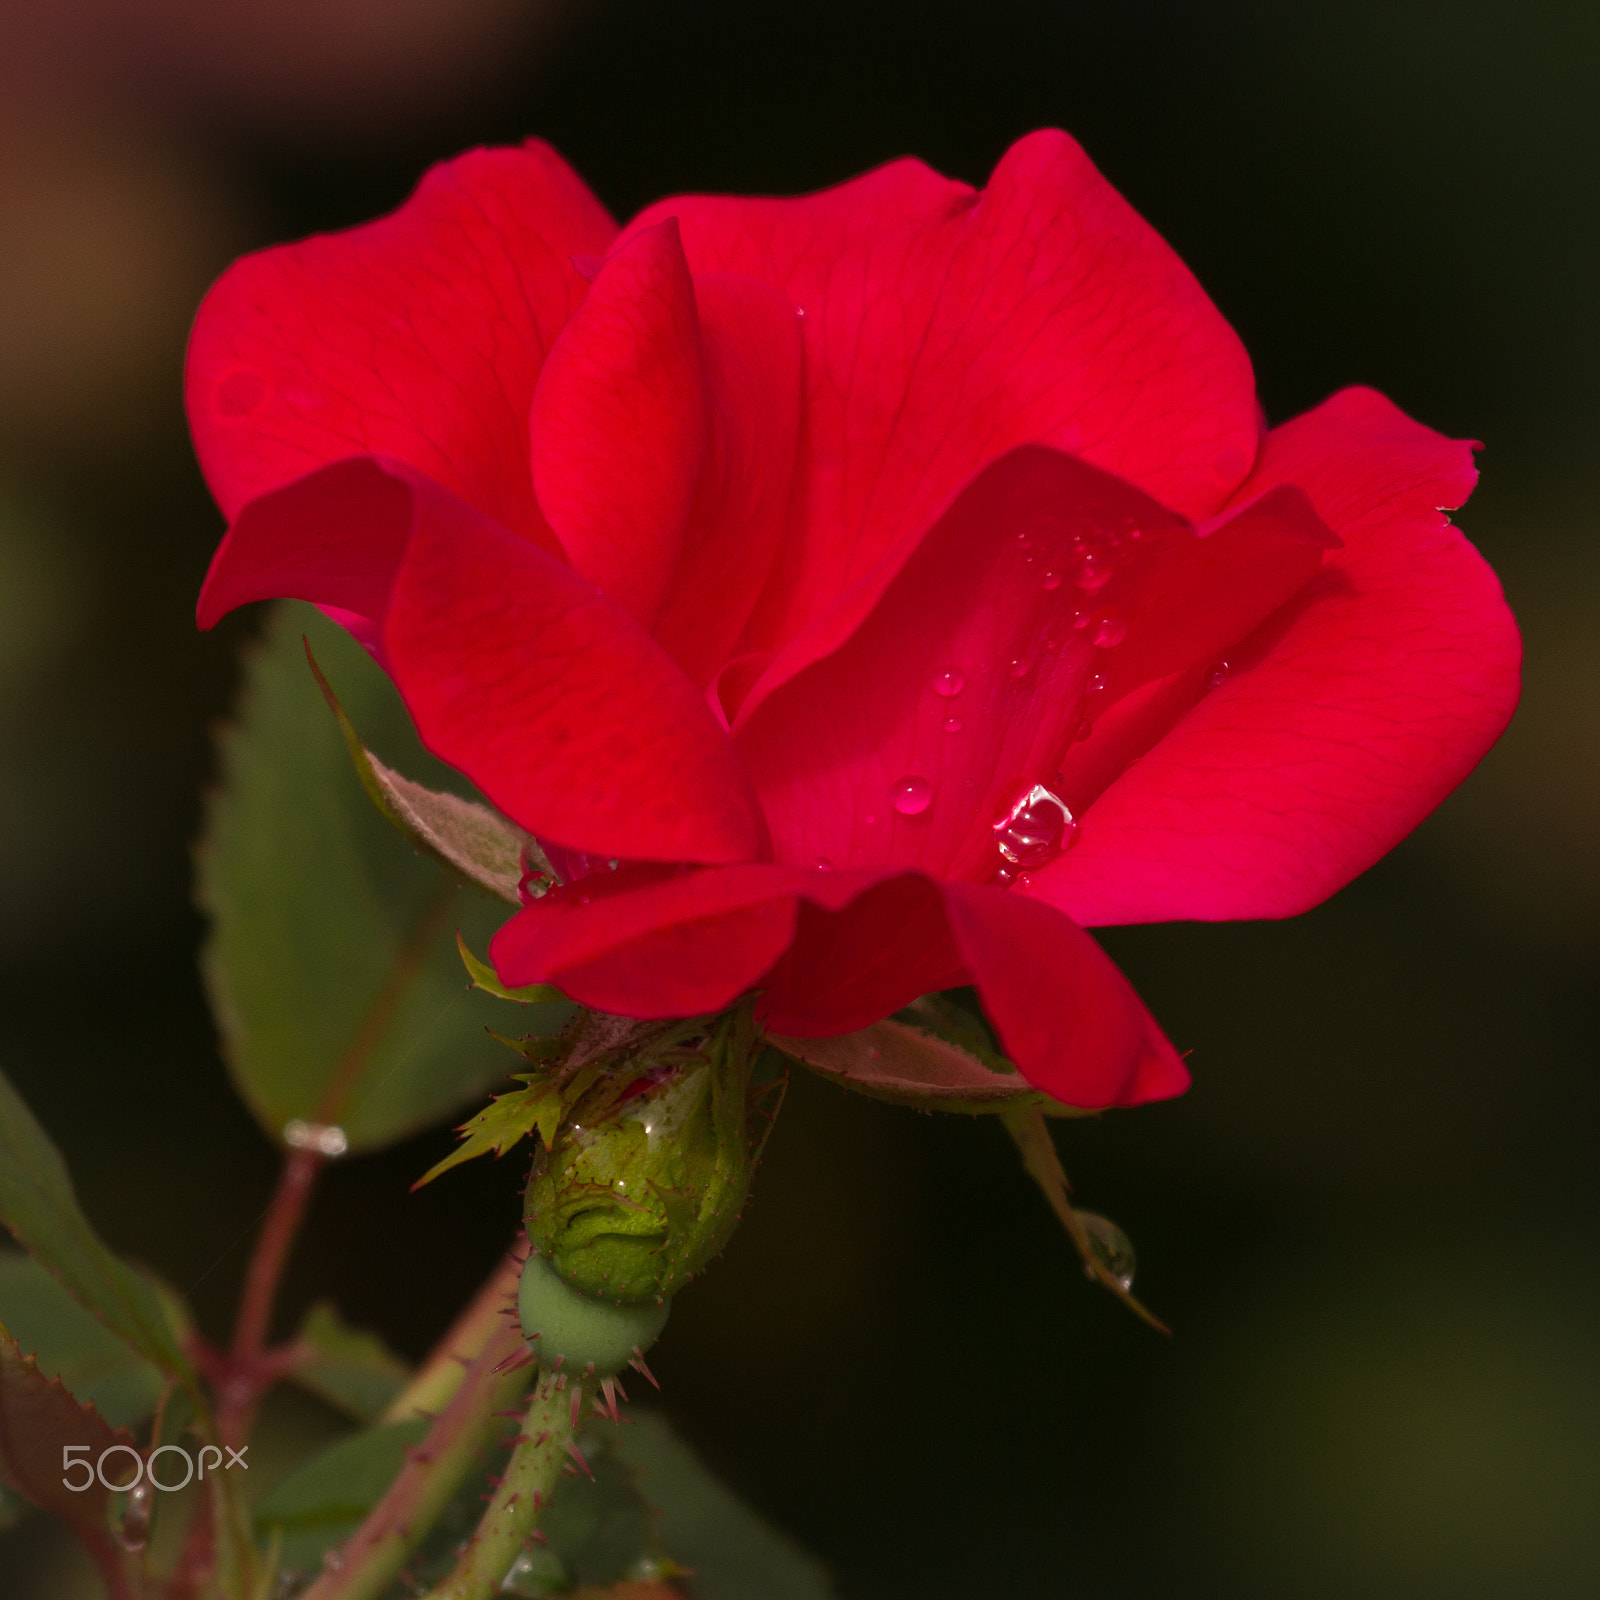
x=644, y=1180
x=572, y=1330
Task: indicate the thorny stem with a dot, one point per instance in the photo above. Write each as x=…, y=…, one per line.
x=440, y=1375
x=365, y=1565
x=525, y=1488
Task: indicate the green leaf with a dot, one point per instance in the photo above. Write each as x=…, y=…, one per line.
x=735, y=1553
x=38, y=1205
x=321, y=1504
x=73, y=1346
x=42, y=1428
x=331, y=960
x=507, y=1119
x=354, y=1372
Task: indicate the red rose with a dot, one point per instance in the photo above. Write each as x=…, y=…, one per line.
x=894, y=580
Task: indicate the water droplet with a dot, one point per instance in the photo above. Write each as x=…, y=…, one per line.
x=1024, y=880
x=822, y=864
x=1019, y=667
x=1112, y=1248
x=1080, y=619
x=1218, y=675
x=1096, y=683
x=949, y=682
x=1084, y=728
x=911, y=796
x=325, y=1138
x=1024, y=540
x=534, y=883
x=1005, y=876
x=1092, y=572
x=133, y=1531
x=1036, y=829
x=1052, y=580
x=1110, y=631
x=951, y=724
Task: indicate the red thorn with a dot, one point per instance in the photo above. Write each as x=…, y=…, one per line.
x=516, y=1414
x=577, y=1455
x=638, y=1365
x=517, y=1359
x=544, y=1434
x=577, y=1403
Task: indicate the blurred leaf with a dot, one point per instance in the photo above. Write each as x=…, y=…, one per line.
x=734, y=1553
x=13, y=1508
x=39, y=1421
x=474, y=841
x=598, y=1524
x=331, y=961
x=321, y=1504
x=354, y=1372
x=38, y=1205
x=70, y=1344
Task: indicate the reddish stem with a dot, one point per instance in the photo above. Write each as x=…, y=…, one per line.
x=249, y=1368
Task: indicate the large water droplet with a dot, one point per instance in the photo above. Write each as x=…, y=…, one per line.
x=911, y=796
x=1218, y=675
x=1112, y=1248
x=1093, y=572
x=949, y=682
x=822, y=864
x=1036, y=829
x=1110, y=631
x=1052, y=580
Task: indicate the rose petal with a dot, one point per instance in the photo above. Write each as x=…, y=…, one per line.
x=517, y=671
x=1065, y=1015
x=547, y=695
x=619, y=423
x=750, y=338
x=335, y=537
x=1343, y=723
x=643, y=944
x=943, y=328
x=419, y=337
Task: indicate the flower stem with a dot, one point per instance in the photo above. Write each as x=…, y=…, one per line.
x=366, y=1564
x=246, y=1375
x=525, y=1489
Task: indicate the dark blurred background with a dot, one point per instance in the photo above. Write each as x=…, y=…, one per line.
x=1373, y=1222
